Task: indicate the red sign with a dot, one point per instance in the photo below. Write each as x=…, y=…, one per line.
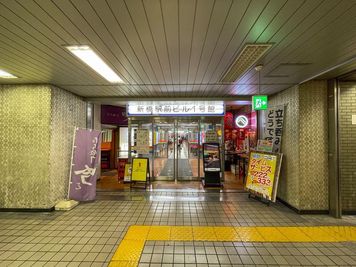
x=121, y=168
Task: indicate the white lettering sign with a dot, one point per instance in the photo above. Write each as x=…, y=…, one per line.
x=176, y=108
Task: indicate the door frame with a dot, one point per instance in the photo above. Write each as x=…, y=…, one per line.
x=215, y=120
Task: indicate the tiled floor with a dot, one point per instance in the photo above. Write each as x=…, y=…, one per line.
x=158, y=253
x=90, y=234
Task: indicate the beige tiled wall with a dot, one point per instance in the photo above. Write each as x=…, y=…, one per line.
x=313, y=146
x=36, y=128
x=347, y=142
x=288, y=188
x=24, y=141
x=304, y=177
x=67, y=112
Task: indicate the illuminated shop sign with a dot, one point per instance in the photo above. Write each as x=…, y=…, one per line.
x=241, y=121
x=177, y=108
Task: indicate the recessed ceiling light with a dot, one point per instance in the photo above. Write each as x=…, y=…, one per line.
x=6, y=75
x=249, y=55
x=89, y=57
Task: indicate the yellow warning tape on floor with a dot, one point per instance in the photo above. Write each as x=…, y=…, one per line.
x=129, y=251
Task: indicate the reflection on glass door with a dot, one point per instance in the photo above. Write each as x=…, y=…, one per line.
x=164, y=151
x=187, y=151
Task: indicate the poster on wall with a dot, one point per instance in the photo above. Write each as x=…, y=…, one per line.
x=142, y=141
x=211, y=136
x=263, y=173
x=264, y=145
x=127, y=174
x=85, y=165
x=121, y=168
x=139, y=169
x=274, y=126
x=211, y=157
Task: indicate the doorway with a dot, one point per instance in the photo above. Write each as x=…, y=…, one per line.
x=176, y=145
x=176, y=156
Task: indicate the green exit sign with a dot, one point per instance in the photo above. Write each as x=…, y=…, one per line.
x=259, y=102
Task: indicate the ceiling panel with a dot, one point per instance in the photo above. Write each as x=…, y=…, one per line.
x=177, y=48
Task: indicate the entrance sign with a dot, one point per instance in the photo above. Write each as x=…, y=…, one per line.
x=85, y=163
x=139, y=169
x=274, y=126
x=263, y=173
x=176, y=108
x=241, y=121
x=259, y=102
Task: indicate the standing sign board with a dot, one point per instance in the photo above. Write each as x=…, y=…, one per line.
x=274, y=126
x=140, y=170
x=212, y=164
x=263, y=174
x=211, y=157
x=85, y=163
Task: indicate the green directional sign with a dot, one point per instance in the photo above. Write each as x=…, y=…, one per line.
x=259, y=102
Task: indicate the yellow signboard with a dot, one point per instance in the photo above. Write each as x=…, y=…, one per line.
x=139, y=169
x=263, y=174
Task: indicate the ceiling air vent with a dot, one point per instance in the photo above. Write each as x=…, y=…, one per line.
x=244, y=60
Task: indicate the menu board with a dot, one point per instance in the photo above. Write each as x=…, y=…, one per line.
x=142, y=141
x=263, y=173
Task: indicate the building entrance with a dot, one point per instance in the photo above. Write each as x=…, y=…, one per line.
x=175, y=145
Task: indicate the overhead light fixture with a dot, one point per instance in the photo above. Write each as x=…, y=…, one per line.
x=244, y=61
x=6, y=75
x=89, y=57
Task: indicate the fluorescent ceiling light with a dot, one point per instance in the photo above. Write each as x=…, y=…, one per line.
x=6, y=75
x=89, y=57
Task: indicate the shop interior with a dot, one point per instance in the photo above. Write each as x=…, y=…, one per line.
x=175, y=149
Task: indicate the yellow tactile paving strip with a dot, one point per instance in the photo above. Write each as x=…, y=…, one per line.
x=130, y=248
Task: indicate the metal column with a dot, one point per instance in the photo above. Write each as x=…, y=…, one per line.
x=222, y=145
x=333, y=153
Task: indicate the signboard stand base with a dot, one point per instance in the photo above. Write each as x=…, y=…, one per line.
x=212, y=179
x=259, y=198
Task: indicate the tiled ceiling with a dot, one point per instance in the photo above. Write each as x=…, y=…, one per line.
x=174, y=47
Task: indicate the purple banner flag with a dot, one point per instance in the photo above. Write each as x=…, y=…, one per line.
x=85, y=162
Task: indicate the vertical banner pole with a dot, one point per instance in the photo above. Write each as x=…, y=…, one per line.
x=71, y=162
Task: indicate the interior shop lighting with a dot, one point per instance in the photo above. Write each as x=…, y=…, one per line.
x=6, y=75
x=89, y=57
